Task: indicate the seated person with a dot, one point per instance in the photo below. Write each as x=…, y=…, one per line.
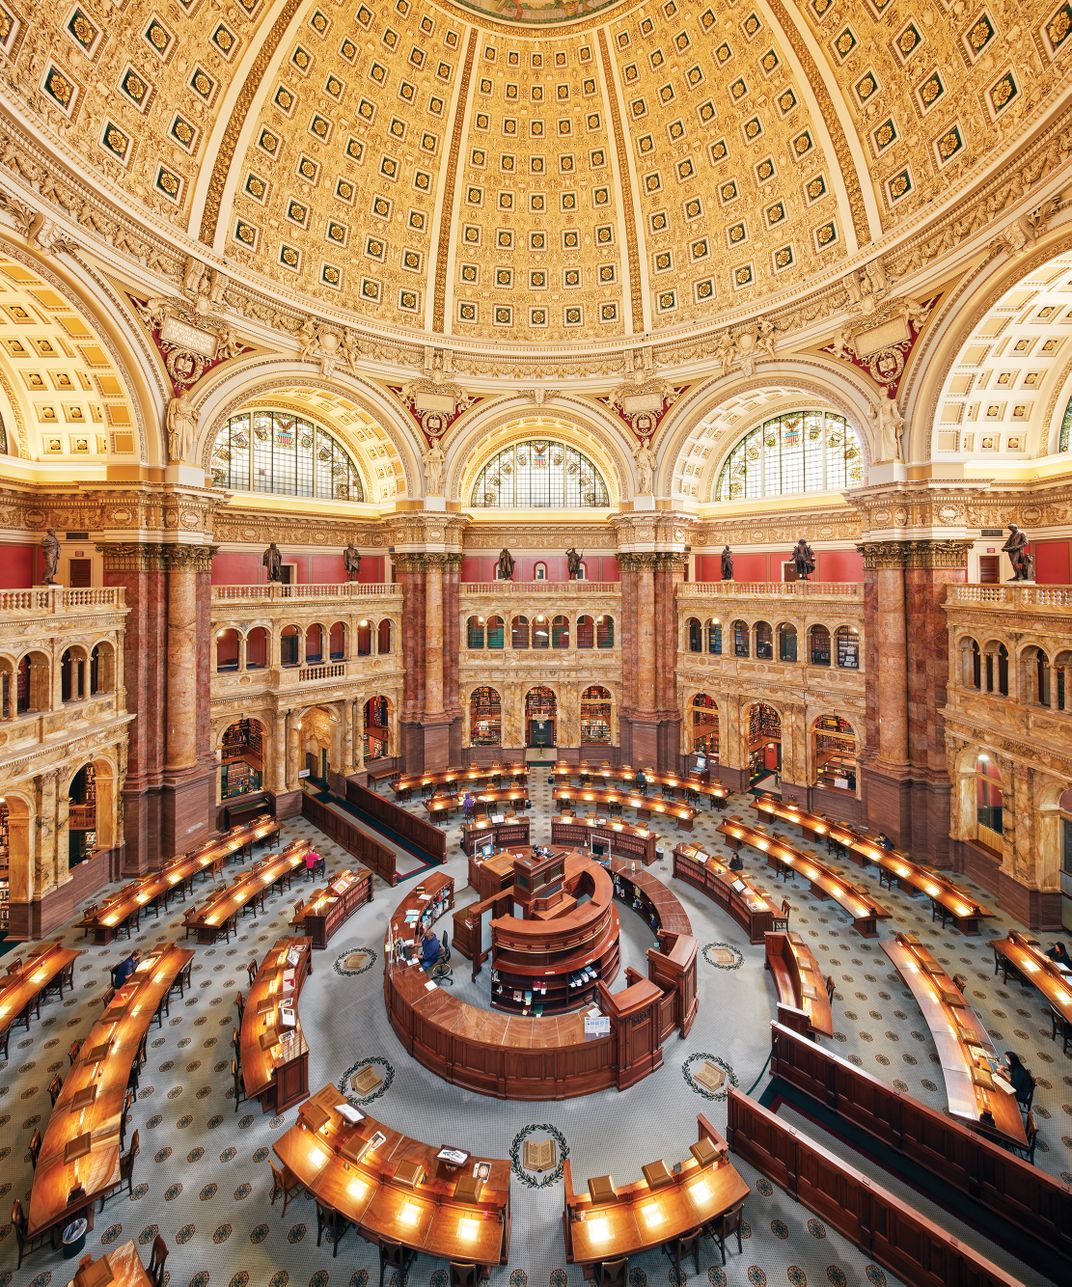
x=736, y=863
x=641, y=782
x=123, y=971
x=883, y=840
x=1016, y=1071
x=1059, y=953
x=430, y=948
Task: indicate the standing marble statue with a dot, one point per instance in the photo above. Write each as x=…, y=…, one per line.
x=645, y=463
x=505, y=568
x=433, y=470
x=351, y=561
x=50, y=549
x=273, y=561
x=1016, y=548
x=727, y=563
x=573, y=564
x=803, y=559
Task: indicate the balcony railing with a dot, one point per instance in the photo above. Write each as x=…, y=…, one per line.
x=272, y=591
x=1012, y=596
x=540, y=587
x=771, y=589
x=56, y=600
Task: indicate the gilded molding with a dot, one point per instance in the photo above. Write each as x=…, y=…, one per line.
x=915, y=553
x=625, y=189
x=156, y=556
x=446, y=218
x=634, y=561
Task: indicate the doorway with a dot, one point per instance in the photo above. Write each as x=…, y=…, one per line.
x=541, y=716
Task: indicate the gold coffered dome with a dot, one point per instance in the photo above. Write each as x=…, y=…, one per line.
x=537, y=173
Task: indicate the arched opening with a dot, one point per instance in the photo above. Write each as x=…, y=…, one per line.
x=73, y=674
x=541, y=632
x=7, y=688
x=32, y=684
x=496, y=632
x=1064, y=807
x=740, y=635
x=1062, y=681
x=337, y=641
x=519, y=632
x=819, y=646
x=364, y=638
x=694, y=635
x=318, y=735
x=383, y=637
x=704, y=726
x=714, y=637
x=1035, y=672
x=227, y=648
x=560, y=631
x=596, y=716
x=996, y=668
x=834, y=754
x=541, y=716
x=314, y=644
x=989, y=803
x=91, y=807
x=847, y=642
x=289, y=642
x=257, y=648
x=763, y=746
x=971, y=664
x=15, y=856
x=376, y=728
x=539, y=571
x=101, y=669
x=586, y=631
x=787, y=642
x=792, y=454
x=605, y=631
x=539, y=473
x=474, y=632
x=764, y=641
x=242, y=758
x=485, y=717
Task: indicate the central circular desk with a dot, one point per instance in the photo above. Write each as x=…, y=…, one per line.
x=545, y=1055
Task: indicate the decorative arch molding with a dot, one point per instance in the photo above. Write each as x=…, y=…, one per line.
x=689, y=461
x=587, y=425
x=102, y=308
x=956, y=319
x=256, y=380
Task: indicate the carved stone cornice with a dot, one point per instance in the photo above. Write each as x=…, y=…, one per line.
x=915, y=553
x=933, y=506
x=419, y=528
x=248, y=527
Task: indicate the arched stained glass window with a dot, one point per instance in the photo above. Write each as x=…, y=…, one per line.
x=540, y=474
x=803, y=451
x=1064, y=441
x=277, y=451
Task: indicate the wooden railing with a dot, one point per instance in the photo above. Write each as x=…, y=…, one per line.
x=55, y=600
x=270, y=591
x=338, y=826
x=879, y=1223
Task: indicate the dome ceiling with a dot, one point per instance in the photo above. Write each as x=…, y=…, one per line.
x=436, y=169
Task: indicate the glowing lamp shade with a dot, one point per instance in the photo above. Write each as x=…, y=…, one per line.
x=409, y=1214
x=317, y=1156
x=599, y=1230
x=468, y=1229
x=652, y=1214
x=701, y=1191
x=357, y=1188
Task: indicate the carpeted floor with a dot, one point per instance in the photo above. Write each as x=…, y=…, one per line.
x=202, y=1179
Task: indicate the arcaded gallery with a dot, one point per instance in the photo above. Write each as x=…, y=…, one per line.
x=535, y=643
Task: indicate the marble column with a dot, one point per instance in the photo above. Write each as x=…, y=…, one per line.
x=409, y=574
x=639, y=716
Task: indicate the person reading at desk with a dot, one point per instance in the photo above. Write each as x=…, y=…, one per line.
x=430, y=948
x=1019, y=1075
x=468, y=804
x=123, y=971
x=1059, y=953
x=883, y=840
x=736, y=863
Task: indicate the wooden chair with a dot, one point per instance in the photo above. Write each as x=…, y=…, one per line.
x=133, y=1082
x=1031, y=1131
x=1059, y=1024
x=722, y=1226
x=126, y=1171
x=54, y=1088
x=35, y=1147
x=284, y=1184
x=782, y=922
x=251, y=970
x=334, y=1225
x=156, y=1262
x=23, y=1241
x=240, y=1096
x=463, y=1275
x=73, y=1050
x=612, y=1273
x=128, y=1102
x=678, y=1249
x=236, y=1046
x=830, y=987
x=960, y=981
x=31, y=1010
x=87, y=917
x=182, y=979
x=1027, y=1098
x=240, y=1005
x=393, y=1255
x=3, y=1042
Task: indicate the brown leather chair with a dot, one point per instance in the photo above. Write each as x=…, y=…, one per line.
x=156, y=1261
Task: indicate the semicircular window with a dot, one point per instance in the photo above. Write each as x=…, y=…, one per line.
x=278, y=451
x=801, y=451
x=1064, y=439
x=540, y=474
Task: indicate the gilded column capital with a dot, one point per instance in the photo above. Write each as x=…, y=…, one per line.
x=883, y=554
x=938, y=554
x=156, y=556
x=633, y=561
x=674, y=560
x=408, y=562
x=188, y=558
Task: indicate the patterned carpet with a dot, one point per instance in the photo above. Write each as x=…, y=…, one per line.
x=202, y=1180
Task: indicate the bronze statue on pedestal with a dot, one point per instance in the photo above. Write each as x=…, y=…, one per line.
x=351, y=561
x=50, y=548
x=803, y=559
x=1023, y=565
x=273, y=561
x=504, y=570
x=573, y=564
x=727, y=563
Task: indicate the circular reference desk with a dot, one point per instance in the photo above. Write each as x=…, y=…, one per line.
x=513, y=1056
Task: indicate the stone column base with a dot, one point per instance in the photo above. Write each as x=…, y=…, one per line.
x=287, y=804
x=913, y=812
x=141, y=829
x=651, y=738
x=431, y=744
x=1037, y=908
x=187, y=815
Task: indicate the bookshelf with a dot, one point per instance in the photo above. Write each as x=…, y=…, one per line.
x=705, y=731
x=242, y=753
x=595, y=716
x=834, y=743
x=485, y=717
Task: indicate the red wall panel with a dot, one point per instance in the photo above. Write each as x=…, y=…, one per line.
x=839, y=565
x=241, y=567
x=20, y=565
x=481, y=567
x=1053, y=562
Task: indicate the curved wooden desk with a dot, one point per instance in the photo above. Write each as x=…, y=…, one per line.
x=645, y=805
x=513, y=830
x=50, y=966
x=966, y=1053
x=439, y=805
x=625, y=776
x=511, y=1056
x=803, y=1003
x=392, y=1186
x=119, y=1267
x=620, y=838
x=864, y=910
x=211, y=917
x=275, y=1055
x=1022, y=953
x=79, y=1157
x=708, y=873
x=666, y=1205
x=459, y=777
x=949, y=900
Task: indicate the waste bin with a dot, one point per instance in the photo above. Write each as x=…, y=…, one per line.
x=74, y=1238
